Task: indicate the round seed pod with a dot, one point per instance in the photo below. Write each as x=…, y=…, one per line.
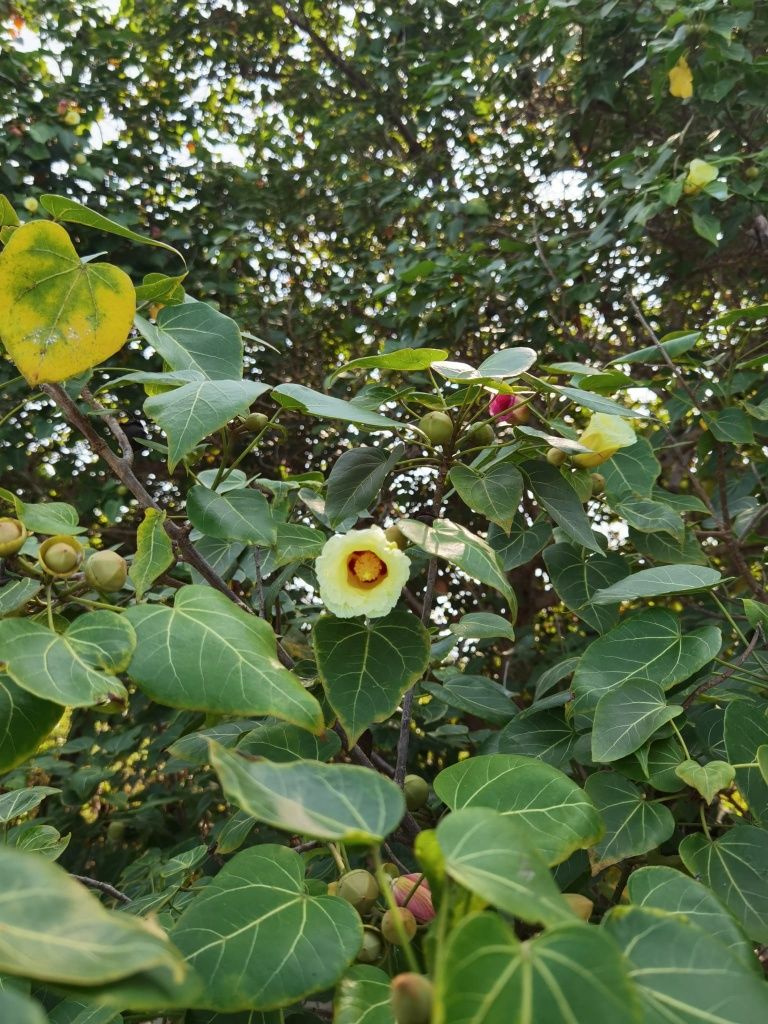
x=360, y=888
x=555, y=457
x=389, y=928
x=412, y=996
x=372, y=949
x=438, y=426
x=416, y=792
x=12, y=536
x=61, y=556
x=106, y=571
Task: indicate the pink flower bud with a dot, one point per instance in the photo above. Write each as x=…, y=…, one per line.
x=420, y=903
x=507, y=404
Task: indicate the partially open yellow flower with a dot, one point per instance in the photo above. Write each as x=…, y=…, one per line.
x=604, y=436
x=681, y=80
x=700, y=174
x=361, y=573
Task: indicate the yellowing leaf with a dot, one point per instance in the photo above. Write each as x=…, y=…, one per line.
x=681, y=80
x=60, y=316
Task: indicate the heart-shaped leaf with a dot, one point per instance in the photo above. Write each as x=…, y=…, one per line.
x=259, y=939
x=633, y=825
x=628, y=715
x=559, y=817
x=325, y=801
x=205, y=654
x=25, y=720
x=363, y=996
x=367, y=667
x=494, y=492
x=60, y=316
x=708, y=779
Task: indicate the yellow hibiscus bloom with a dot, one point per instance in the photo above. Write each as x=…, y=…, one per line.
x=604, y=436
x=700, y=174
x=361, y=573
x=681, y=80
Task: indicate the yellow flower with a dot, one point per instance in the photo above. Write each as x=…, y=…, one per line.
x=681, y=80
x=361, y=573
x=604, y=436
x=700, y=174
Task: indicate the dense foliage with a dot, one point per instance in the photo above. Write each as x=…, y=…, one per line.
x=488, y=277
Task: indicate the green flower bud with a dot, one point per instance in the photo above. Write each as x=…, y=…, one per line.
x=80, y=159
x=12, y=536
x=372, y=949
x=438, y=426
x=61, y=556
x=359, y=888
x=389, y=927
x=416, y=792
x=479, y=436
x=556, y=457
x=31, y=205
x=412, y=999
x=106, y=571
x=255, y=422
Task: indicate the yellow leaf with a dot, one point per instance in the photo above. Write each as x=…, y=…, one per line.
x=59, y=316
x=681, y=80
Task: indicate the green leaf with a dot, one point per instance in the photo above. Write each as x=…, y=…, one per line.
x=337, y=801
x=54, y=667
x=707, y=226
x=489, y=854
x=404, y=359
x=105, y=640
x=649, y=516
x=70, y=211
x=664, y=579
x=597, y=403
x=555, y=493
x=631, y=470
x=193, y=748
x=192, y=412
x=647, y=645
x=663, y=888
x=21, y=801
x=49, y=517
x=9, y=217
x=25, y=721
x=708, y=779
x=16, y=594
x=363, y=997
x=731, y=425
x=482, y=626
x=367, y=667
x=559, y=817
x=506, y=363
x=628, y=715
x=633, y=825
x=356, y=479
x=206, y=654
x=243, y=515
x=154, y=552
x=279, y=742
x=296, y=396
x=735, y=867
x=194, y=336
x=674, y=344
x=522, y=543
x=494, y=492
x=683, y=975
x=259, y=940
x=662, y=548
x=757, y=614
x=43, y=840
x=746, y=730
x=461, y=548
x=53, y=930
x=568, y=974
x=577, y=576
x=477, y=696
x=18, y=1008
x=544, y=735
x=294, y=543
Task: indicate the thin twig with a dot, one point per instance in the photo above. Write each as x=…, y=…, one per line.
x=710, y=684
x=105, y=887
x=114, y=426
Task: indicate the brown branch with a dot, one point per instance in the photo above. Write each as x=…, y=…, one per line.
x=114, y=427
x=710, y=684
x=105, y=887
x=123, y=470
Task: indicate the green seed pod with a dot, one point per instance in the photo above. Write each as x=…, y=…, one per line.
x=479, y=436
x=12, y=536
x=106, y=571
x=359, y=888
x=390, y=930
x=373, y=946
x=555, y=457
x=416, y=792
x=438, y=426
x=255, y=422
x=598, y=483
x=31, y=205
x=61, y=556
x=412, y=996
